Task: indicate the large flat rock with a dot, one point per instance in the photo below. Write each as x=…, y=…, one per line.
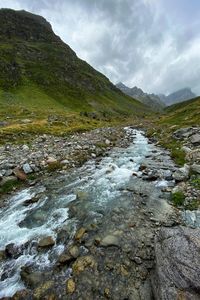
x=177, y=271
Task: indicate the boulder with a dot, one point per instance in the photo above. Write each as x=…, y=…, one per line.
x=27, y=169
x=195, y=139
x=46, y=242
x=195, y=168
x=177, y=257
x=110, y=240
x=182, y=174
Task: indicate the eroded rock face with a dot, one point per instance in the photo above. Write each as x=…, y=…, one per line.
x=177, y=272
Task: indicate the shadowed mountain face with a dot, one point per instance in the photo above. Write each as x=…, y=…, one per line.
x=150, y=100
x=34, y=61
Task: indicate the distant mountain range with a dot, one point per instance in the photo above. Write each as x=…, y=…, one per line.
x=157, y=102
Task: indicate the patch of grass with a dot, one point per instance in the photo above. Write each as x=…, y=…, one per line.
x=196, y=183
x=8, y=186
x=178, y=198
x=54, y=166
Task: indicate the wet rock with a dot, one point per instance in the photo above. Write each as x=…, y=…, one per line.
x=2, y=255
x=70, y=286
x=74, y=251
x=177, y=270
x=79, y=234
x=110, y=240
x=12, y=251
x=65, y=258
x=31, y=201
x=27, y=169
x=46, y=242
x=182, y=174
x=30, y=278
x=81, y=195
x=82, y=263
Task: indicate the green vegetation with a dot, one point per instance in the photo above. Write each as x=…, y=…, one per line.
x=54, y=166
x=178, y=198
x=9, y=186
x=42, y=77
x=196, y=182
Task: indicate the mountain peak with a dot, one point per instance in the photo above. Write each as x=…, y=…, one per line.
x=24, y=25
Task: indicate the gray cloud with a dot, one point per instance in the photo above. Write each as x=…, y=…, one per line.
x=154, y=44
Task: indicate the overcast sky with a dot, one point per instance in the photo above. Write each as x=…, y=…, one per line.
x=153, y=44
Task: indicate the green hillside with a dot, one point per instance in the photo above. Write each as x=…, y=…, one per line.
x=42, y=78
x=182, y=114
x=38, y=70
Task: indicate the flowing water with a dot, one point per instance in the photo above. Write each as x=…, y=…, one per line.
x=97, y=185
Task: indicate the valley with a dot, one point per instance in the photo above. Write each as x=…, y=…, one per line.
x=99, y=188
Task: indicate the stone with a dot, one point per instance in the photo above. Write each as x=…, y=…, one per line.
x=177, y=272
x=27, y=169
x=107, y=142
x=79, y=234
x=12, y=251
x=21, y=295
x=2, y=255
x=195, y=139
x=70, y=286
x=43, y=291
x=65, y=258
x=182, y=174
x=110, y=240
x=195, y=168
x=46, y=242
x=51, y=160
x=82, y=263
x=31, y=279
x=7, y=179
x=20, y=174
x=193, y=156
x=74, y=251
x=25, y=147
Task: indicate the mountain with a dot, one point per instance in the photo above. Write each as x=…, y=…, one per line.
x=178, y=96
x=39, y=71
x=150, y=100
x=183, y=114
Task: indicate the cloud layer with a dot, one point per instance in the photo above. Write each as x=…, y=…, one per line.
x=154, y=44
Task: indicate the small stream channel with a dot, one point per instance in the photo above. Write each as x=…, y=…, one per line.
x=97, y=187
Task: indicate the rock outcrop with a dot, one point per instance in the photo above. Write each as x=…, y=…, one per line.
x=177, y=271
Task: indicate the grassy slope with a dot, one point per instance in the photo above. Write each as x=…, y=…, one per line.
x=176, y=116
x=41, y=76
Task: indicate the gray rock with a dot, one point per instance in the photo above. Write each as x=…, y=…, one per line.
x=177, y=271
x=27, y=169
x=195, y=168
x=195, y=139
x=182, y=173
x=110, y=240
